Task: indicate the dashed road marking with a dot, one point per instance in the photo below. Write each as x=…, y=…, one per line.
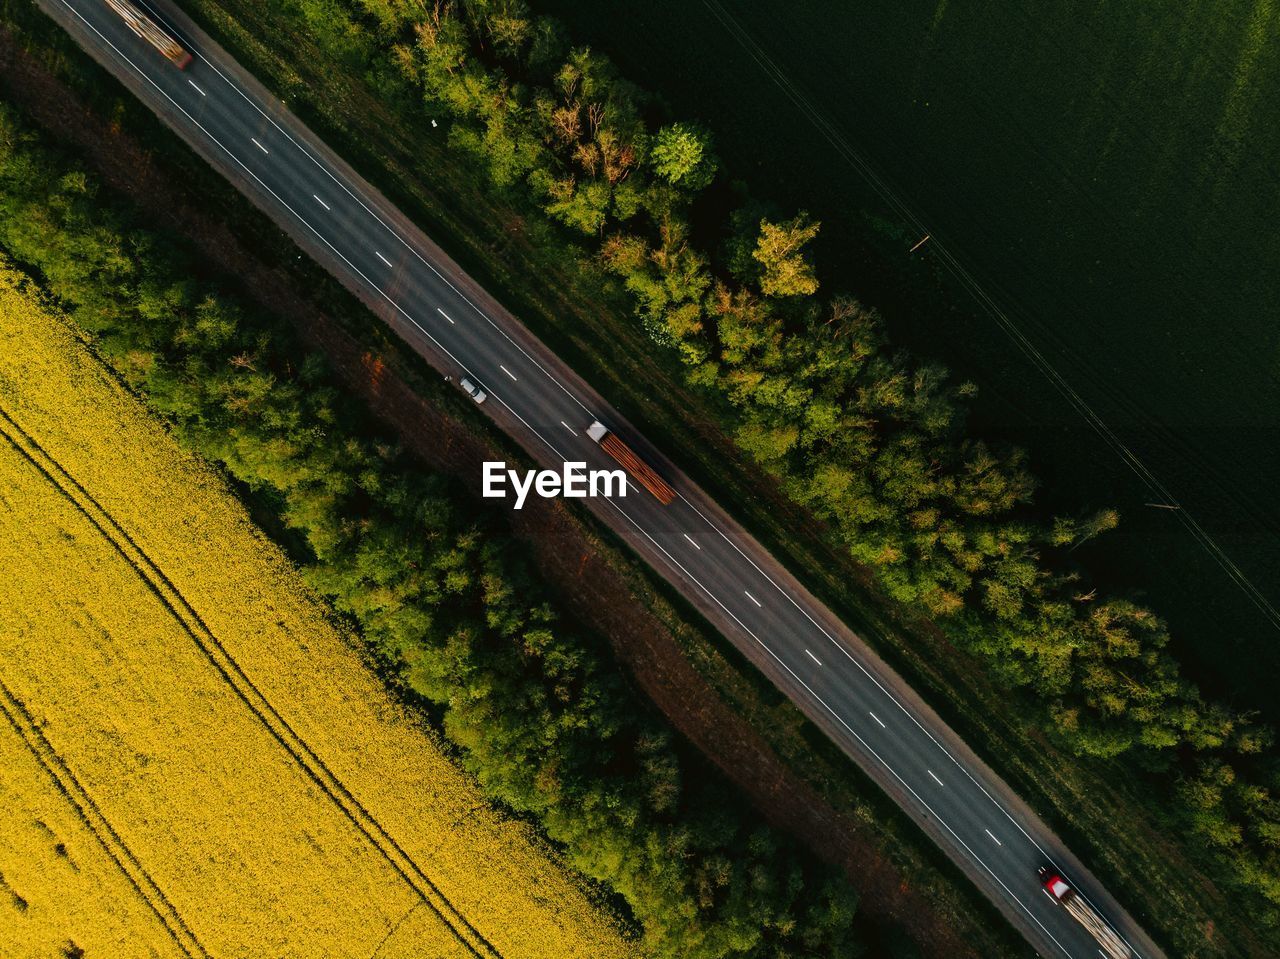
x=197, y=89
x=283, y=203
x=569, y=428
x=814, y=658
x=877, y=719
x=444, y=314
x=320, y=201
x=690, y=539
x=382, y=258
x=935, y=778
x=993, y=836
x=255, y=142
x=871, y=676
x=507, y=371
x=754, y=600
x=782, y=663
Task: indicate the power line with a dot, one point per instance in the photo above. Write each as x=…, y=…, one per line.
x=949, y=262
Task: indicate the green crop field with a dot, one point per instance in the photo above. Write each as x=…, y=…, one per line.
x=1111, y=174
x=345, y=73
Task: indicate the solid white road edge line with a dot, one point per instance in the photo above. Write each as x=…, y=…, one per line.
x=836, y=716
x=488, y=319
x=440, y=346
x=1004, y=812
x=409, y=246
x=448, y=283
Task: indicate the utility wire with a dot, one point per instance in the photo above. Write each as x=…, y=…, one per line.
x=988, y=304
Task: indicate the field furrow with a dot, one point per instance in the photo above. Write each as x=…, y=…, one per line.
x=230, y=672
x=232, y=777
x=64, y=780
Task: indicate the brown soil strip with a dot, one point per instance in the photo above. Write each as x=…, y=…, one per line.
x=594, y=591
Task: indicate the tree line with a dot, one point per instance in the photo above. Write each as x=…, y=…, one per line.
x=539, y=706
x=869, y=439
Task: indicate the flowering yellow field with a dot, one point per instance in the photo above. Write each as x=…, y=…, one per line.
x=193, y=761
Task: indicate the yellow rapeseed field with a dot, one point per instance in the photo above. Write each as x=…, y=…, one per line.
x=58, y=886
x=193, y=760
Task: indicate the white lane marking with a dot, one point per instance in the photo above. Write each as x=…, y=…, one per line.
x=257, y=144
x=508, y=372
x=690, y=539
x=834, y=715
x=320, y=201
x=445, y=315
x=611, y=502
x=743, y=626
x=382, y=258
x=935, y=778
x=993, y=836
x=197, y=89
x=814, y=658
x=386, y=226
x=877, y=719
x=301, y=219
x=503, y=332
x=879, y=685
x=430, y=266
x=445, y=350
x=754, y=600
x=569, y=428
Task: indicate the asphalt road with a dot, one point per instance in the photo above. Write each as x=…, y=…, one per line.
x=339, y=219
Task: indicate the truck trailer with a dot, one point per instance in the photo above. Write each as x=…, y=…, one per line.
x=636, y=468
x=1109, y=942
x=149, y=30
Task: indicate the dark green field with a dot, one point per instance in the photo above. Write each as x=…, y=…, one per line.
x=1110, y=172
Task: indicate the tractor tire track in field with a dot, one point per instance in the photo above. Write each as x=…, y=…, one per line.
x=159, y=584
x=65, y=781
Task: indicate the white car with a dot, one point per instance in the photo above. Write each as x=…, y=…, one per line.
x=473, y=391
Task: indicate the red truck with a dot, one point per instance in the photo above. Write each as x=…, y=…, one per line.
x=1109, y=941
x=636, y=468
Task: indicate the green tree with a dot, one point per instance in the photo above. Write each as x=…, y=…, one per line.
x=681, y=155
x=506, y=23
x=780, y=252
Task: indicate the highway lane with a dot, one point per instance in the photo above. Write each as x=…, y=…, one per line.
x=832, y=676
